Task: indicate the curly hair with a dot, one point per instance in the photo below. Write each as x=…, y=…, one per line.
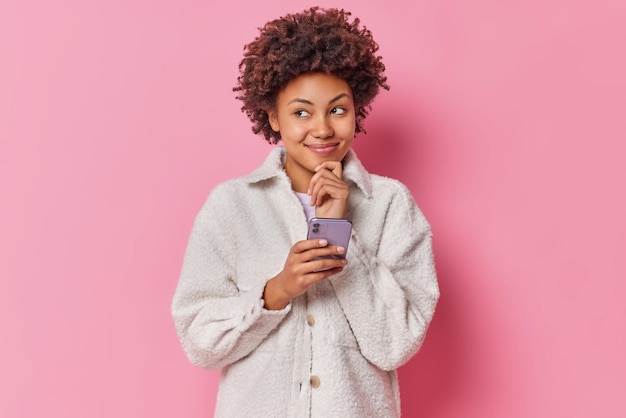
x=315, y=40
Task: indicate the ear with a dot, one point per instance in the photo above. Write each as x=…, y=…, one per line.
x=273, y=120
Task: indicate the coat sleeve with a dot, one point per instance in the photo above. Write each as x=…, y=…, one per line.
x=217, y=322
x=389, y=293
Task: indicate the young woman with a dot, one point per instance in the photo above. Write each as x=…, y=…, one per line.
x=296, y=335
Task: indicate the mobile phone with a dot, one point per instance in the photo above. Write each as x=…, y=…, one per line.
x=335, y=230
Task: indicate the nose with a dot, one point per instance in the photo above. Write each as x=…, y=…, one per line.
x=322, y=128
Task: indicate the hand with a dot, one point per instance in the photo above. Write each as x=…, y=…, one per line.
x=301, y=271
x=329, y=193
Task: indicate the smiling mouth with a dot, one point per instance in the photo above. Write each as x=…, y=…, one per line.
x=323, y=149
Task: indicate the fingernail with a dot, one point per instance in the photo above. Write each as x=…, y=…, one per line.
x=341, y=250
x=323, y=242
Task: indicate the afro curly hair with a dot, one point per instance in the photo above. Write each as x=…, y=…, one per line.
x=315, y=40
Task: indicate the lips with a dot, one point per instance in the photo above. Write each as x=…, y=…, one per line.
x=323, y=149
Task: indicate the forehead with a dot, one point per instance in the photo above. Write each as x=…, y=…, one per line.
x=314, y=87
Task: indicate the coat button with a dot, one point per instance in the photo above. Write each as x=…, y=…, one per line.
x=310, y=319
x=315, y=382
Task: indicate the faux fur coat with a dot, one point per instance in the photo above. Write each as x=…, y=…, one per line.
x=332, y=352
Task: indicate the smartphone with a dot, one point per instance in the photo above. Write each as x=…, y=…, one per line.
x=336, y=231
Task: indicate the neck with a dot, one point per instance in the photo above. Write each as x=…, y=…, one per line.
x=300, y=178
x=299, y=185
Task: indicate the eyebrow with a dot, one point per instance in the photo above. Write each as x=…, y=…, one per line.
x=308, y=102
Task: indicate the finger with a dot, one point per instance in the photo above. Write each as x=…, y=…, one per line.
x=308, y=244
x=325, y=180
x=325, y=175
x=324, y=265
x=320, y=176
x=336, y=167
x=335, y=190
x=330, y=167
x=318, y=276
x=331, y=250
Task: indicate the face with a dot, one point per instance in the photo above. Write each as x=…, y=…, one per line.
x=315, y=116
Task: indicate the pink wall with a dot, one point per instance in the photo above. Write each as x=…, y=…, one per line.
x=506, y=120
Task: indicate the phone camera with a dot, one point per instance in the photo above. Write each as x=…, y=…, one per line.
x=316, y=230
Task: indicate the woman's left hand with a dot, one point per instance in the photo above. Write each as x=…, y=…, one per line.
x=329, y=193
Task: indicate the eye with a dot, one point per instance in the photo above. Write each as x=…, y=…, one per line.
x=338, y=110
x=302, y=113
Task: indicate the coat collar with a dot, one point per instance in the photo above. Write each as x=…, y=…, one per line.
x=353, y=170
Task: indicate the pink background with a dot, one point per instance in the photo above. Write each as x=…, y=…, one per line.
x=505, y=119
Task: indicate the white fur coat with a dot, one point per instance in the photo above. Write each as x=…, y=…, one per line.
x=331, y=352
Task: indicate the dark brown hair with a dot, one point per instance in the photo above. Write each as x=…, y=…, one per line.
x=322, y=40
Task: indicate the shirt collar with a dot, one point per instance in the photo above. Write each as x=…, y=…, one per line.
x=272, y=167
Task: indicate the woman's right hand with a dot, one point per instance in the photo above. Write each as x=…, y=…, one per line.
x=301, y=271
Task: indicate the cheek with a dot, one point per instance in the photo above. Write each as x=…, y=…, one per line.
x=347, y=127
x=292, y=131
